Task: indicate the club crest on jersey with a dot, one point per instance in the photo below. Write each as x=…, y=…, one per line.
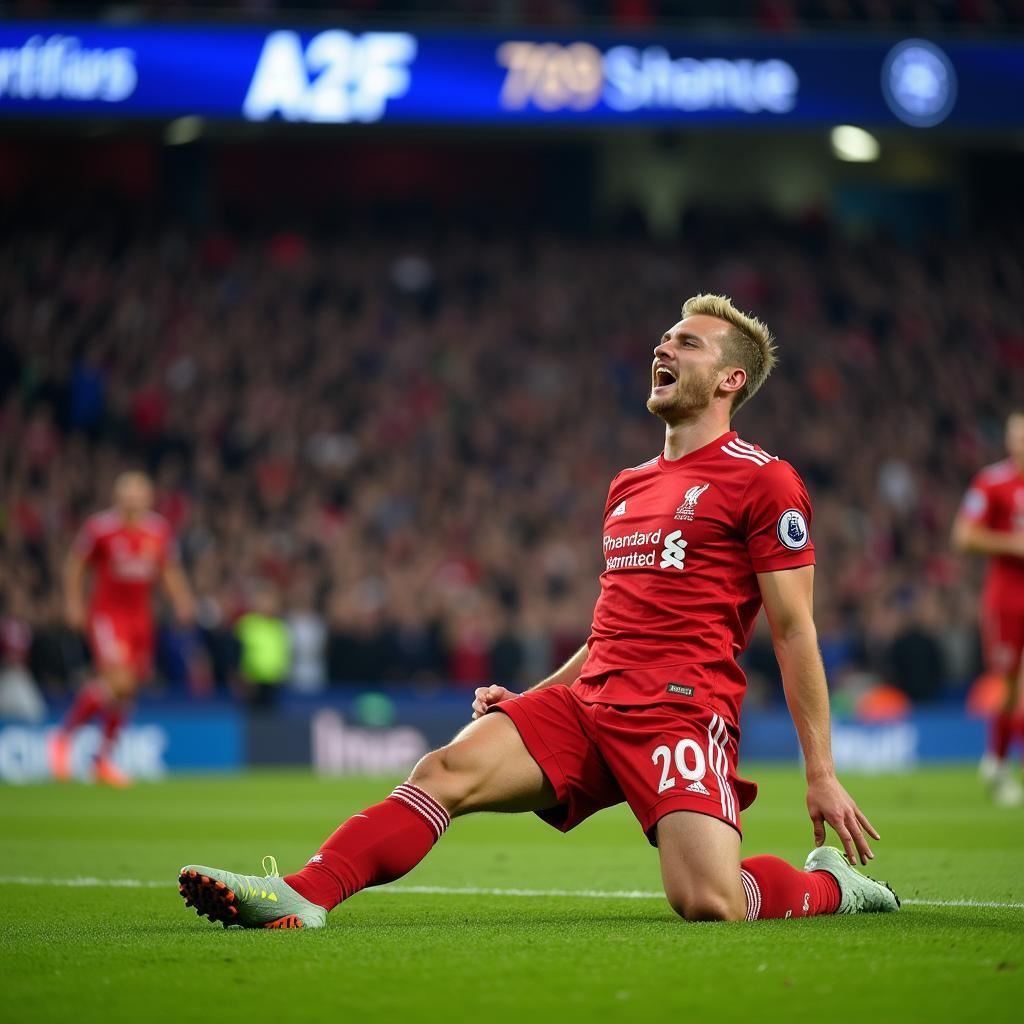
x=792, y=530
x=690, y=499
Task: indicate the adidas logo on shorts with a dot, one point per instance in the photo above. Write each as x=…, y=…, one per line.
x=698, y=787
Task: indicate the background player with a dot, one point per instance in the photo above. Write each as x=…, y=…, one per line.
x=648, y=711
x=129, y=548
x=991, y=522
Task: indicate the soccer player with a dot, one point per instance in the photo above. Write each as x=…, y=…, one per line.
x=991, y=523
x=129, y=548
x=647, y=712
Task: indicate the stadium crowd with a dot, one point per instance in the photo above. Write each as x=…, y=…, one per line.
x=389, y=454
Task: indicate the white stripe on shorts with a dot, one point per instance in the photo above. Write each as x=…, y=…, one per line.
x=720, y=766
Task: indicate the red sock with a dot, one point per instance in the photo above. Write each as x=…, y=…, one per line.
x=114, y=714
x=1000, y=734
x=775, y=889
x=376, y=846
x=90, y=699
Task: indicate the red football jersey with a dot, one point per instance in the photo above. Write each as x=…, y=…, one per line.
x=995, y=500
x=683, y=543
x=127, y=559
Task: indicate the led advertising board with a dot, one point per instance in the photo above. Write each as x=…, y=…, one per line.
x=337, y=76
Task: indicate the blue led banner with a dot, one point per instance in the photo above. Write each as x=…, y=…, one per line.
x=337, y=76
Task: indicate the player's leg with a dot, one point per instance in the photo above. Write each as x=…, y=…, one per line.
x=677, y=768
x=700, y=867
x=485, y=768
x=124, y=678
x=1002, y=639
x=122, y=683
x=87, y=703
x=1000, y=735
x=1010, y=793
x=705, y=880
x=103, y=696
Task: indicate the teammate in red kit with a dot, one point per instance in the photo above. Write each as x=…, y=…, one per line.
x=129, y=548
x=647, y=712
x=991, y=522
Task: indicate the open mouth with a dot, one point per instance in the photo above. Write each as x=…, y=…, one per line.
x=663, y=378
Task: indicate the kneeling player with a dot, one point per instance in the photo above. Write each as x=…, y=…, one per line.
x=695, y=541
x=129, y=549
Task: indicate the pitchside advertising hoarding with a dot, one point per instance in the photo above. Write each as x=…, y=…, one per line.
x=339, y=76
x=381, y=735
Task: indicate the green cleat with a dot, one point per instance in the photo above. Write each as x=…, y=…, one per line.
x=251, y=901
x=858, y=894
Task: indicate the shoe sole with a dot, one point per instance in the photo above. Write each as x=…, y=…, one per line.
x=218, y=902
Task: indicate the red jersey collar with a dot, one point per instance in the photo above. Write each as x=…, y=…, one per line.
x=667, y=466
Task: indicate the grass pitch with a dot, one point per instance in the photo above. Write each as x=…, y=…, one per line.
x=81, y=953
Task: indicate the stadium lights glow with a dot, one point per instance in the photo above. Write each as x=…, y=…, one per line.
x=854, y=144
x=184, y=130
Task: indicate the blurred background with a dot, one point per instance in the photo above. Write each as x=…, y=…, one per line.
x=372, y=291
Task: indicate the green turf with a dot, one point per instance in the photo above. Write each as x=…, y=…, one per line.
x=110, y=954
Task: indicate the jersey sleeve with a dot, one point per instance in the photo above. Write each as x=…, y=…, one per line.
x=609, y=502
x=776, y=518
x=976, y=506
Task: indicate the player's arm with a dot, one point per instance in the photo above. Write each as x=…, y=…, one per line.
x=174, y=582
x=487, y=696
x=970, y=537
x=74, y=590
x=788, y=602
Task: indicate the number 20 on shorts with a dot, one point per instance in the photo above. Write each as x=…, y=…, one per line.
x=686, y=750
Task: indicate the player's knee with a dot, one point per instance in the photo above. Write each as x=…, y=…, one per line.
x=706, y=905
x=119, y=682
x=446, y=776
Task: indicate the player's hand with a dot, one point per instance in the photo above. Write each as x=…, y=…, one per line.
x=487, y=696
x=828, y=801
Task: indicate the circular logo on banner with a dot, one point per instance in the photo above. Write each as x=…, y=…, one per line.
x=792, y=529
x=919, y=83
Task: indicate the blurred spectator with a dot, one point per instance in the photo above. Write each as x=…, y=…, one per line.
x=263, y=645
x=19, y=696
x=916, y=657
x=307, y=640
x=358, y=644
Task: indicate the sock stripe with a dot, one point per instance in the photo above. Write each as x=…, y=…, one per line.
x=424, y=805
x=428, y=804
x=753, y=892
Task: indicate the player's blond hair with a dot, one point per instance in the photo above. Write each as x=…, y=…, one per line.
x=748, y=344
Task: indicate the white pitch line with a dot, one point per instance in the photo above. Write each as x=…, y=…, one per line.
x=82, y=883
x=442, y=890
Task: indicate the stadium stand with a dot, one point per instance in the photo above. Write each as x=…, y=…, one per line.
x=407, y=441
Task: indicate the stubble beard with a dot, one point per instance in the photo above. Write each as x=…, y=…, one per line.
x=692, y=395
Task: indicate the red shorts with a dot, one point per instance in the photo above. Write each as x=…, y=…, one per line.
x=121, y=641
x=1002, y=638
x=658, y=758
